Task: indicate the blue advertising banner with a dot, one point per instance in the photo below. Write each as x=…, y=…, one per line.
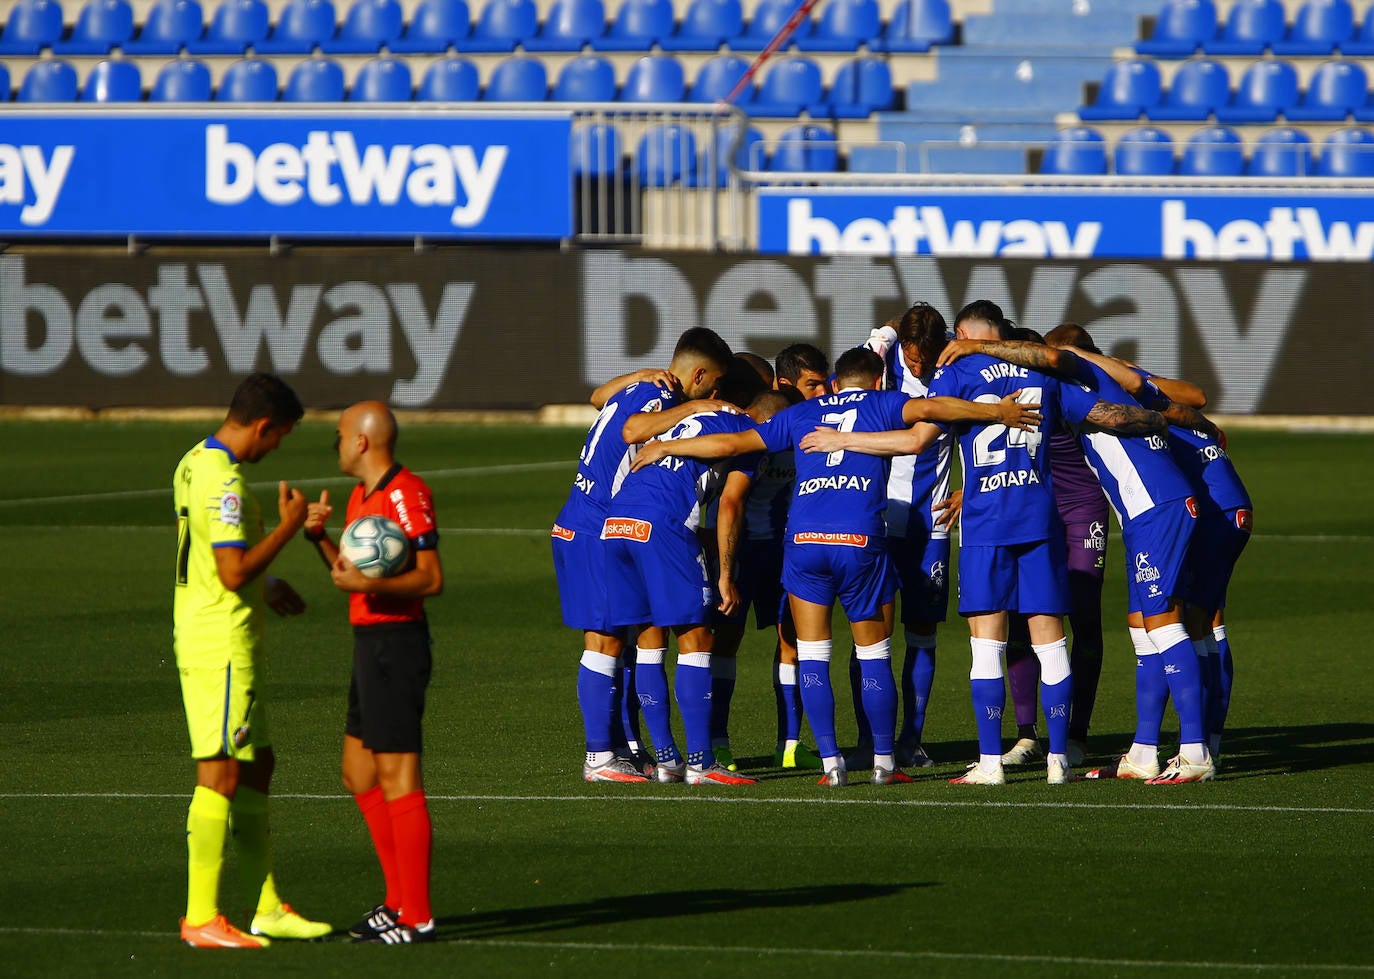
x=1115, y=223
x=354, y=174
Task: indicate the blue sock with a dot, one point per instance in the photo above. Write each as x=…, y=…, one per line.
x=1184, y=678
x=694, y=702
x=989, y=700
x=596, y=698
x=878, y=693
x=1227, y=675
x=629, y=702
x=1055, y=699
x=817, y=696
x=918, y=676
x=856, y=697
x=722, y=692
x=788, y=703
x=651, y=681
x=1151, y=697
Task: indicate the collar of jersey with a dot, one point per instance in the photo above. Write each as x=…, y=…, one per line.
x=387, y=477
x=214, y=443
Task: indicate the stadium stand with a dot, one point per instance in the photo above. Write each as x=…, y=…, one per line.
x=1078, y=150
x=303, y=26
x=518, y=79
x=844, y=25
x=791, y=85
x=436, y=26
x=113, y=81
x=639, y=26
x=315, y=80
x=236, y=26
x=1347, y=153
x=1334, y=92
x=1145, y=152
x=101, y=26
x=171, y=26
x=707, y=25
x=182, y=80
x=4, y=84
x=452, y=79
x=1267, y=90
x=369, y=26
x=805, y=149
x=586, y=79
x=1183, y=26
x=49, y=81
x=655, y=78
x=249, y=80
x=1199, y=89
x=31, y=26
x=1252, y=27
x=1281, y=152
x=503, y=24
x=569, y=26
x=1216, y=151
x=667, y=155
x=1129, y=90
x=1320, y=27
x=596, y=151
x=383, y=79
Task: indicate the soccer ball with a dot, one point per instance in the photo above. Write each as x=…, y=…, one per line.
x=377, y=545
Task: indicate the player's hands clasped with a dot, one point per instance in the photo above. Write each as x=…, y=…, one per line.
x=1013, y=414
x=291, y=506
x=317, y=514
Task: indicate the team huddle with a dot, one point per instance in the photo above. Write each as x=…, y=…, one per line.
x=724, y=483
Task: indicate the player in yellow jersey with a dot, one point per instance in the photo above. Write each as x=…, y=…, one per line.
x=221, y=587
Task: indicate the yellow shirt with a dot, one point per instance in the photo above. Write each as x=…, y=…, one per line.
x=214, y=626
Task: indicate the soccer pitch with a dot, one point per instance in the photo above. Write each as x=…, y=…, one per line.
x=1263, y=872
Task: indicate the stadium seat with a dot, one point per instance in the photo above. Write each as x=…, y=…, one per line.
x=518, y=79
x=249, y=80
x=503, y=24
x=302, y=26
x=1128, y=90
x=436, y=26
x=1267, y=89
x=1335, y=90
x=769, y=17
x=792, y=85
x=718, y=77
x=4, y=84
x=569, y=25
x=1347, y=153
x=315, y=80
x=1281, y=152
x=383, y=79
x=750, y=154
x=101, y=25
x=369, y=26
x=1145, y=152
x=1213, y=152
x=656, y=78
x=805, y=149
x=49, y=81
x=595, y=151
x=113, y=81
x=183, y=80
x=31, y=26
x=1362, y=43
x=170, y=26
x=638, y=26
x=450, y=80
x=667, y=155
x=1320, y=27
x=861, y=87
x=1198, y=90
x=1180, y=29
x=585, y=79
x=844, y=25
x=1252, y=27
x=237, y=26
x=706, y=26
x=916, y=26
x=1077, y=150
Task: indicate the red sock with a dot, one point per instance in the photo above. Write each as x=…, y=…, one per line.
x=375, y=811
x=410, y=823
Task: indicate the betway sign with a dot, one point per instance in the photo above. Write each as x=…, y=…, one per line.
x=1118, y=224
x=521, y=329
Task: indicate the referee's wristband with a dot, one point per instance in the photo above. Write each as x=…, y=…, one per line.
x=315, y=537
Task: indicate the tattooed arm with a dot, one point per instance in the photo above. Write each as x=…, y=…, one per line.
x=1184, y=415
x=1125, y=419
x=1023, y=353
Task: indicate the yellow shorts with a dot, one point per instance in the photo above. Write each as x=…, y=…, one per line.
x=224, y=714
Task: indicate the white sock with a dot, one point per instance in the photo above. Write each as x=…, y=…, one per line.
x=884, y=761
x=598, y=758
x=990, y=763
x=1193, y=754
x=1143, y=755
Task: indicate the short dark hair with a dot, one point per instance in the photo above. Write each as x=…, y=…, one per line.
x=1071, y=335
x=764, y=369
x=706, y=344
x=858, y=364
x=740, y=383
x=1025, y=333
x=924, y=328
x=769, y=403
x=265, y=396
x=987, y=311
x=795, y=360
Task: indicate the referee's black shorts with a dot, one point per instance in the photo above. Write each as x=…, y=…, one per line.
x=386, y=697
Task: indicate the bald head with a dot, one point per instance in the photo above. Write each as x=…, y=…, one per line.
x=367, y=439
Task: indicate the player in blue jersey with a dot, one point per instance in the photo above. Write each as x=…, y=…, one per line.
x=835, y=546
x=637, y=413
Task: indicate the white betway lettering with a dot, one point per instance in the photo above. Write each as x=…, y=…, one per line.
x=430, y=175
x=23, y=168
x=910, y=226
x=1277, y=238
x=808, y=486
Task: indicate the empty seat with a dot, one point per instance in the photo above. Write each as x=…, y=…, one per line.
x=4, y=84
x=367, y=28
x=1180, y=29
x=861, y=87
x=667, y=155
x=518, y=79
x=1321, y=27
x=1267, y=89
x=31, y=26
x=769, y=17
x=1282, y=152
x=657, y=78
x=113, y=81
x=1079, y=150
x=792, y=85
x=49, y=81
x=1213, y=152
x=237, y=26
x=843, y=26
x=717, y=78
x=383, y=79
x=706, y=26
x=638, y=26
x=569, y=25
x=1251, y=27
x=595, y=151
x=315, y=80
x=586, y=79
x=1363, y=41
x=1347, y=153
x=302, y=26
x=450, y=80
x=1199, y=89
x=1128, y=90
x=1145, y=152
x=436, y=26
x=805, y=149
x=1335, y=90
x=249, y=80
x=170, y=26
x=916, y=26
x=183, y=80
x=742, y=147
x=101, y=25
x=503, y=24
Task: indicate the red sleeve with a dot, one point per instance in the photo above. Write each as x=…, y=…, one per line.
x=413, y=504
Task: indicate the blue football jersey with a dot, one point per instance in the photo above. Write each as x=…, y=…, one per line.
x=915, y=483
x=765, y=508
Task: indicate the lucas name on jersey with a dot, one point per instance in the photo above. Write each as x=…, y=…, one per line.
x=815, y=485
x=1012, y=477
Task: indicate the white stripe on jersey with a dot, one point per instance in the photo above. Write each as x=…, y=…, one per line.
x=903, y=468
x=1134, y=497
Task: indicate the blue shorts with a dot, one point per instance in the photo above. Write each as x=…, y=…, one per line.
x=655, y=575
x=855, y=568
x=758, y=579
x=579, y=564
x=922, y=565
x=1031, y=578
x=1156, y=546
x=1217, y=543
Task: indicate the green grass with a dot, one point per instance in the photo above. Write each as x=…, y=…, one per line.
x=1263, y=872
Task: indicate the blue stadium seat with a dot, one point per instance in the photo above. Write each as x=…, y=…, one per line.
x=237, y=26
x=656, y=78
x=1321, y=27
x=183, y=80
x=1347, y=153
x=1335, y=90
x=436, y=26
x=569, y=25
x=302, y=26
x=769, y=17
x=843, y=26
x=503, y=25
x=585, y=79
x=315, y=80
x=1077, y=150
x=101, y=25
x=916, y=26
x=368, y=26
x=1213, y=152
x=113, y=81
x=518, y=79
x=638, y=26
x=1363, y=42
x=49, y=81
x=706, y=26
x=1281, y=152
x=1180, y=29
x=667, y=155
x=1198, y=90
x=383, y=79
x=596, y=151
x=1145, y=152
x=805, y=149
x=1267, y=89
x=450, y=80
x=248, y=80
x=4, y=84
x=170, y=26
x=1128, y=90
x=750, y=154
x=861, y=87
x=31, y=26
x=718, y=77
x=1251, y=28
x=792, y=85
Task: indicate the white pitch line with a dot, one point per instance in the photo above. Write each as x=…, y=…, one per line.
x=168, y=529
